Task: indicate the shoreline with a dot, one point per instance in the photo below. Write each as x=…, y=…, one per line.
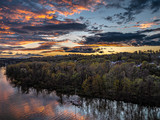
x=152, y=101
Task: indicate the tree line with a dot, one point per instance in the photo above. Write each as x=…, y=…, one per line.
x=133, y=77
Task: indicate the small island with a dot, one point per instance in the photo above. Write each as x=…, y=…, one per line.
x=131, y=77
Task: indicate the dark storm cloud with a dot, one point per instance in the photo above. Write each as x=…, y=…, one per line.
x=10, y=47
x=149, y=30
x=51, y=33
x=153, y=40
x=2, y=52
x=155, y=36
x=113, y=37
x=68, y=27
x=115, y=3
x=120, y=18
x=81, y=18
x=156, y=20
x=2, y=29
x=132, y=8
x=18, y=31
x=19, y=39
x=109, y=18
x=155, y=6
x=152, y=43
x=136, y=7
x=95, y=31
x=117, y=37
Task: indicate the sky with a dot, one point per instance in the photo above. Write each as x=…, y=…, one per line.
x=56, y=27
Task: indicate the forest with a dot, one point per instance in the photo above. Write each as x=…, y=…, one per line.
x=132, y=77
x=7, y=61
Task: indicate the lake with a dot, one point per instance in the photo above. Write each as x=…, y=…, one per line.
x=17, y=104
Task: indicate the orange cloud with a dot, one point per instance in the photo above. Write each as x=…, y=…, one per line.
x=7, y=32
x=14, y=41
x=1, y=17
x=146, y=25
x=58, y=22
x=48, y=13
x=74, y=8
x=2, y=26
x=51, y=12
x=19, y=15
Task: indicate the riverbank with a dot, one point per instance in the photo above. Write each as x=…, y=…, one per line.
x=32, y=104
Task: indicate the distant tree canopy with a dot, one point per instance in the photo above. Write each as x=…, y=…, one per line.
x=124, y=76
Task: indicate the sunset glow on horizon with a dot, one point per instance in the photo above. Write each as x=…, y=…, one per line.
x=60, y=27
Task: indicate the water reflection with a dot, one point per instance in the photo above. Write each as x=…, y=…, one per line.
x=16, y=105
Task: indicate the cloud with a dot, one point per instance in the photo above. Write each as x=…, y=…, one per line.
x=145, y=25
x=137, y=38
x=53, y=27
x=3, y=52
x=155, y=36
x=155, y=6
x=113, y=37
x=152, y=43
x=157, y=20
x=43, y=46
x=10, y=47
x=43, y=10
x=20, y=39
x=149, y=30
x=18, y=31
x=28, y=19
x=132, y=8
x=37, y=33
x=109, y=18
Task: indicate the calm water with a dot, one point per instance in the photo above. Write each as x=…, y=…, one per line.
x=17, y=105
